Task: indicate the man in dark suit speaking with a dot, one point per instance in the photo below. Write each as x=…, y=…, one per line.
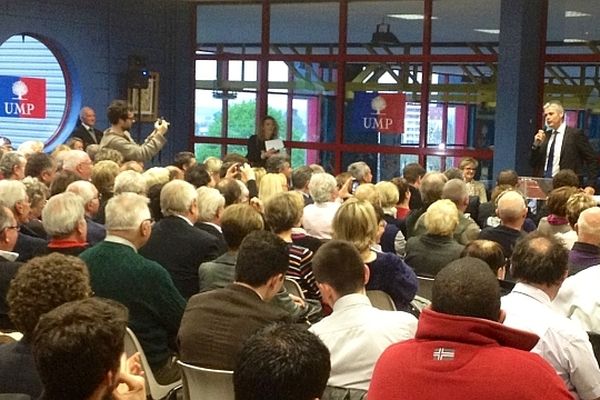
x=562, y=147
x=86, y=130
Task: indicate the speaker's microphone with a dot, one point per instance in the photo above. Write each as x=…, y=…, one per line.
x=537, y=142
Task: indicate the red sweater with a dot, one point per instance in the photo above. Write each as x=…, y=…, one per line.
x=454, y=357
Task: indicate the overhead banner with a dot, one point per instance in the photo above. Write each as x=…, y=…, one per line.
x=22, y=97
x=379, y=112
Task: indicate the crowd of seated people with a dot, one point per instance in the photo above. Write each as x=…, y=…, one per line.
x=199, y=252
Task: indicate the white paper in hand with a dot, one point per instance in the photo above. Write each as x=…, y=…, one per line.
x=275, y=144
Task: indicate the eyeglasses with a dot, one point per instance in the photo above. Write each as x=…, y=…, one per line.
x=15, y=227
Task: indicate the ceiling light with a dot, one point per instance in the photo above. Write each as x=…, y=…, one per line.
x=574, y=40
x=490, y=31
x=576, y=14
x=410, y=17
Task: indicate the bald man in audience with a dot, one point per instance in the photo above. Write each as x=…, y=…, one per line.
x=586, y=250
x=356, y=333
x=512, y=212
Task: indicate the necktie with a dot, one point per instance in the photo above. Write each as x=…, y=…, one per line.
x=93, y=134
x=548, y=171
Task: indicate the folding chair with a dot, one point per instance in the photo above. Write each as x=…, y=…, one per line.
x=380, y=299
x=425, y=287
x=292, y=287
x=206, y=384
x=154, y=390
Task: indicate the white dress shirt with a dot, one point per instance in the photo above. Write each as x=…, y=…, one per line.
x=318, y=217
x=356, y=334
x=560, y=135
x=579, y=299
x=563, y=343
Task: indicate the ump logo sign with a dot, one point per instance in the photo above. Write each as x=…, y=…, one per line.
x=376, y=112
x=22, y=97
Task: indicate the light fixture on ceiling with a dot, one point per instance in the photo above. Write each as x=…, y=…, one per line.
x=490, y=31
x=576, y=14
x=383, y=36
x=410, y=17
x=574, y=40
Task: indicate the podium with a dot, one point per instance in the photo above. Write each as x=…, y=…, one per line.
x=535, y=188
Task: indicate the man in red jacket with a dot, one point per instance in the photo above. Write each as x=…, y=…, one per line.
x=461, y=349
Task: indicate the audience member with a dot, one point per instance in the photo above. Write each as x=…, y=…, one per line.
x=576, y=204
x=156, y=176
x=586, y=250
x=429, y=253
x=75, y=144
x=356, y=333
x=512, y=212
x=211, y=205
x=413, y=173
x=78, y=351
x=283, y=212
x=556, y=221
x=539, y=265
x=64, y=221
x=8, y=265
x=356, y=222
x=402, y=208
x=279, y=164
x=130, y=181
x=42, y=167
x=213, y=166
x=91, y=204
x=216, y=323
x=300, y=179
x=184, y=160
x=283, y=362
x=318, y=216
x=12, y=165
x=493, y=255
x=198, y=175
x=231, y=191
x=118, y=272
x=431, y=188
x=38, y=194
x=462, y=350
x=13, y=195
x=175, y=243
x=103, y=177
x=61, y=180
x=469, y=165
x=32, y=294
x=360, y=172
x=79, y=162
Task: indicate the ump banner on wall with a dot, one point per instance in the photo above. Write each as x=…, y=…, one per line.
x=378, y=112
x=22, y=97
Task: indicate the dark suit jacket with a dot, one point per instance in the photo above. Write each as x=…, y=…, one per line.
x=84, y=135
x=8, y=270
x=17, y=370
x=216, y=233
x=574, y=154
x=180, y=248
x=95, y=232
x=215, y=325
x=28, y=246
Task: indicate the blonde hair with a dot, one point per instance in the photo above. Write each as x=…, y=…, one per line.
x=356, y=222
x=103, y=175
x=368, y=192
x=388, y=194
x=270, y=185
x=259, y=172
x=156, y=176
x=441, y=218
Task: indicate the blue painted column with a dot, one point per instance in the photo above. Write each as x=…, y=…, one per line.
x=520, y=68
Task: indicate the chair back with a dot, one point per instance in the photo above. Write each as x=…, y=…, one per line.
x=154, y=390
x=382, y=300
x=206, y=384
x=595, y=341
x=425, y=287
x=292, y=287
x=340, y=393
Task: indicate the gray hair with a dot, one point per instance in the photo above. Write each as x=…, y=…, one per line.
x=126, y=211
x=456, y=191
x=358, y=170
x=12, y=192
x=511, y=206
x=62, y=213
x=155, y=176
x=322, y=186
x=210, y=201
x=556, y=104
x=73, y=158
x=84, y=189
x=432, y=186
x=130, y=181
x=10, y=160
x=177, y=197
x=5, y=217
x=36, y=190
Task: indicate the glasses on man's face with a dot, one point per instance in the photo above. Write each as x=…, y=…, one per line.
x=15, y=227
